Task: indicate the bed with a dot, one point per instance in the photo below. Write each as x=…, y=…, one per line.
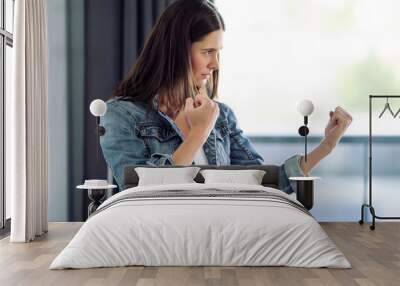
x=199, y=224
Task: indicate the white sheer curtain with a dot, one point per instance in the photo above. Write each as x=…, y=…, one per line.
x=28, y=122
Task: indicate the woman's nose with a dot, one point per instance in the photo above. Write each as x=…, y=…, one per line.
x=214, y=63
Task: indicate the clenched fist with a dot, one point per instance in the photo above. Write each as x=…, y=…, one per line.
x=198, y=115
x=338, y=123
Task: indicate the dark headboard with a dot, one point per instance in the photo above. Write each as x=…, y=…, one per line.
x=270, y=178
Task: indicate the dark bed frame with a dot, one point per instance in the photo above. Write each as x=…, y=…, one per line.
x=304, y=194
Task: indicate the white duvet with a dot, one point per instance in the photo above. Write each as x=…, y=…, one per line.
x=182, y=231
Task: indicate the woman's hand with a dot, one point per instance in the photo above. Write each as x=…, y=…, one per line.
x=338, y=123
x=198, y=115
x=201, y=115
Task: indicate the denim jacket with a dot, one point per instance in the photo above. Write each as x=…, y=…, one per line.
x=136, y=135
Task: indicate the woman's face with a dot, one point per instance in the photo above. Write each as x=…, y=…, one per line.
x=205, y=56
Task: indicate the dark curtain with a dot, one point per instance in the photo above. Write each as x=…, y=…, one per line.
x=114, y=34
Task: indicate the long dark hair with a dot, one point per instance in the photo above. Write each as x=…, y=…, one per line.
x=164, y=65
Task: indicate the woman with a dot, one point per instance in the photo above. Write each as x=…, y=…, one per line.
x=165, y=113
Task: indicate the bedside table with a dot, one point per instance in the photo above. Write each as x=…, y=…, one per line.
x=305, y=190
x=96, y=192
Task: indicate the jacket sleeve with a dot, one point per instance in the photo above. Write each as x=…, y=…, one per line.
x=243, y=153
x=291, y=168
x=121, y=146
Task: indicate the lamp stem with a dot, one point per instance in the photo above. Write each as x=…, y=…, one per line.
x=98, y=137
x=305, y=138
x=305, y=148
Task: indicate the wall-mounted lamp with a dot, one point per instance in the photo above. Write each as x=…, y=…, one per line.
x=305, y=184
x=97, y=188
x=305, y=108
x=98, y=108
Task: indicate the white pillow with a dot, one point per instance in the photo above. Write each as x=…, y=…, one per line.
x=163, y=176
x=248, y=177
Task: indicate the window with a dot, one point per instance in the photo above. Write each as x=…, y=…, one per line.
x=6, y=44
x=337, y=52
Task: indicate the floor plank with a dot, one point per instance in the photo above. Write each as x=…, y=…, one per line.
x=374, y=255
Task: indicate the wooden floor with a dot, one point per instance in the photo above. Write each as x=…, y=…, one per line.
x=374, y=255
